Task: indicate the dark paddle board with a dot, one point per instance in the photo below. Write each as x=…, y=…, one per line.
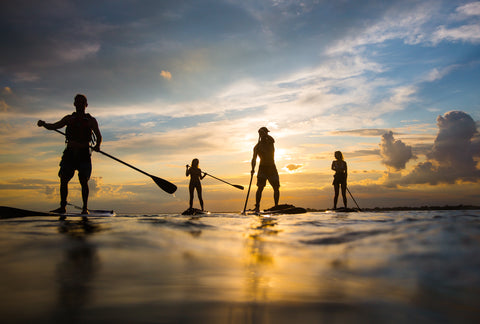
x=280, y=209
x=11, y=212
x=194, y=211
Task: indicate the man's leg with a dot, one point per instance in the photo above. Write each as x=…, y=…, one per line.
x=276, y=195
x=63, y=195
x=65, y=176
x=274, y=180
x=85, y=192
x=84, y=173
x=258, y=197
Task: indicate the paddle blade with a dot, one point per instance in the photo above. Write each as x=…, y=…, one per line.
x=238, y=187
x=165, y=185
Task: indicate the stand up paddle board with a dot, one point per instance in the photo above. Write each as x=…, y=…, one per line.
x=194, y=211
x=280, y=209
x=11, y=212
x=91, y=213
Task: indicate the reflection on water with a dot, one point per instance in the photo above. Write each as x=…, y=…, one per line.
x=260, y=261
x=76, y=270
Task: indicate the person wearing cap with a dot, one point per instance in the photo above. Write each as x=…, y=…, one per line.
x=76, y=156
x=267, y=170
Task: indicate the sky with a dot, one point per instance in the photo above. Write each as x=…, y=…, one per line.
x=391, y=84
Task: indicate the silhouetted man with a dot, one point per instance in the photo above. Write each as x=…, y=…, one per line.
x=76, y=156
x=267, y=169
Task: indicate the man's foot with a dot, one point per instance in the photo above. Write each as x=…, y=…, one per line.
x=59, y=210
x=85, y=211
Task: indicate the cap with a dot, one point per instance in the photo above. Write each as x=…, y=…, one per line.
x=263, y=129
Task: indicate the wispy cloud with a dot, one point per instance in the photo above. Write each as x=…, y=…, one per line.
x=466, y=33
x=469, y=9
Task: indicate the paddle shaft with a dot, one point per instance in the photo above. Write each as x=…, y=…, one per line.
x=353, y=199
x=236, y=186
x=91, y=210
x=248, y=193
x=114, y=158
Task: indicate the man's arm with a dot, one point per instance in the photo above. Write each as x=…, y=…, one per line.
x=97, y=133
x=59, y=124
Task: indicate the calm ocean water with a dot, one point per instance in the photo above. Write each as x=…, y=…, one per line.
x=367, y=267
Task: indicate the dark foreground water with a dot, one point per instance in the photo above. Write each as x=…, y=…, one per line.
x=395, y=267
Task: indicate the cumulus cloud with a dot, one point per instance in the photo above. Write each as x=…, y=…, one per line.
x=394, y=153
x=95, y=184
x=453, y=145
x=452, y=157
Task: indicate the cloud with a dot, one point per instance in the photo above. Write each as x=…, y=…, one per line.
x=75, y=52
x=399, y=22
x=414, y=24
x=437, y=74
x=394, y=153
x=166, y=75
x=7, y=90
x=25, y=77
x=367, y=132
x=470, y=9
x=95, y=184
x=4, y=107
x=148, y=124
x=452, y=157
x=453, y=145
x=466, y=33
x=291, y=168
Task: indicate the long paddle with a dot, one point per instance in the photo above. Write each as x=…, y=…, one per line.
x=354, y=199
x=162, y=183
x=248, y=193
x=236, y=186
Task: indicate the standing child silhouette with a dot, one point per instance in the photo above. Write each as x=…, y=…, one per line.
x=195, y=176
